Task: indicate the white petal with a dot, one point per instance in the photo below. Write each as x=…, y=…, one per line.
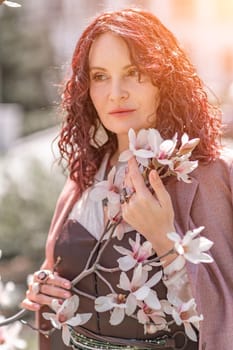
x=122, y=250
x=152, y=300
x=139, y=276
x=98, y=192
x=142, y=317
x=103, y=304
x=154, y=279
x=79, y=319
x=66, y=335
x=117, y=316
x=131, y=304
x=205, y=243
x=126, y=263
x=173, y=236
x=125, y=156
x=124, y=282
x=190, y=331
x=142, y=293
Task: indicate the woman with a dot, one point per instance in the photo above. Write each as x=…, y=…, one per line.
x=130, y=73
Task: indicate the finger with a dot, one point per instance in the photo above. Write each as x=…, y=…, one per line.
x=160, y=191
x=40, y=299
x=30, y=305
x=58, y=281
x=54, y=291
x=135, y=176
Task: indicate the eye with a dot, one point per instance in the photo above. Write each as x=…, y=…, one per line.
x=133, y=72
x=99, y=76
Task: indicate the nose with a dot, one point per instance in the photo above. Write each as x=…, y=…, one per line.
x=118, y=90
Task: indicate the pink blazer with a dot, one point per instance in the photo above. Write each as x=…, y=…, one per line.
x=207, y=201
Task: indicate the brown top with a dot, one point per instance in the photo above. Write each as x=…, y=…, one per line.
x=74, y=245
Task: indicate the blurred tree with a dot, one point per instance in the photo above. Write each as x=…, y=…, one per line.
x=27, y=66
x=26, y=211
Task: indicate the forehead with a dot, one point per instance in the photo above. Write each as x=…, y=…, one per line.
x=109, y=47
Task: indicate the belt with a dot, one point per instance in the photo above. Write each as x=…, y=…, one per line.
x=82, y=342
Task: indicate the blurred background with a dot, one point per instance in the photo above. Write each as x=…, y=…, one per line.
x=36, y=44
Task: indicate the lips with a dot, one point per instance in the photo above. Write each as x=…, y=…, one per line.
x=121, y=111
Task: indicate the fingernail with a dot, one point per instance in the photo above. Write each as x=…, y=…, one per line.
x=66, y=295
x=67, y=285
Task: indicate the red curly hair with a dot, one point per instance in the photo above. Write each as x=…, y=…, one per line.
x=184, y=105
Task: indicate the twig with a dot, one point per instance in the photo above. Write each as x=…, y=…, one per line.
x=16, y=317
x=105, y=281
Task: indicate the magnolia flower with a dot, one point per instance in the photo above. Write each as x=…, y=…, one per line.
x=145, y=315
x=138, y=254
x=182, y=167
x=65, y=317
x=192, y=248
x=110, y=189
x=187, y=146
x=143, y=146
x=166, y=150
x=9, y=337
x=184, y=312
x=140, y=288
x=115, y=302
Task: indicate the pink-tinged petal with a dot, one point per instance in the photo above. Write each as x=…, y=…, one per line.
x=142, y=293
x=135, y=244
x=166, y=148
x=125, y=156
x=66, y=335
x=190, y=331
x=117, y=316
x=131, y=304
x=142, y=317
x=154, y=279
x=124, y=282
x=152, y=300
x=126, y=263
x=103, y=304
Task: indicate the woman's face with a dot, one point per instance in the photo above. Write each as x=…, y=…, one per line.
x=121, y=100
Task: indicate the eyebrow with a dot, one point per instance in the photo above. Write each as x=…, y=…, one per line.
x=105, y=70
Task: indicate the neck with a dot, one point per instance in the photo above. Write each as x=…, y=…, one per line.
x=123, y=144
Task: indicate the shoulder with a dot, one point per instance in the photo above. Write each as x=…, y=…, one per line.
x=221, y=167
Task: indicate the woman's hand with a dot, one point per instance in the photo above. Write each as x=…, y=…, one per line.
x=150, y=214
x=43, y=291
